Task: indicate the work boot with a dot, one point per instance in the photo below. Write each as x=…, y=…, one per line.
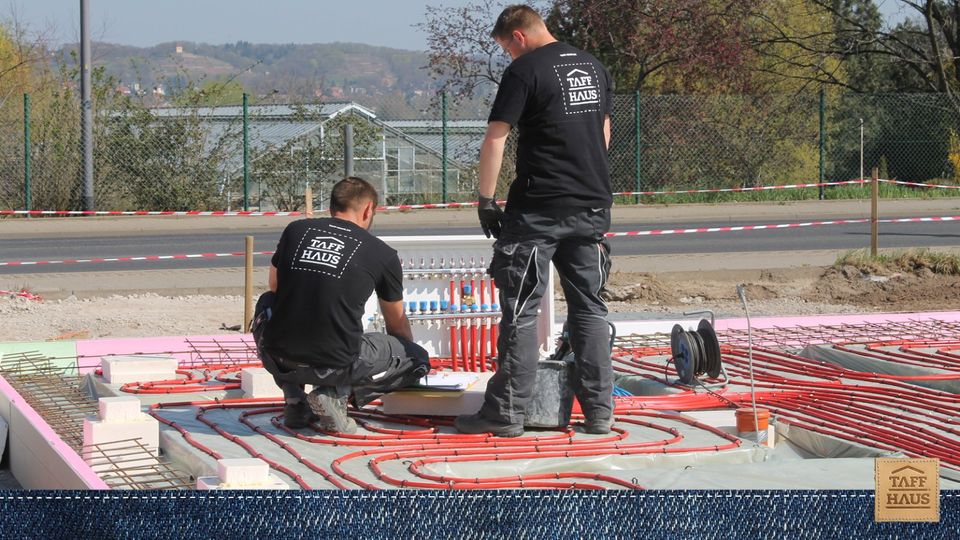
x=298, y=415
x=331, y=410
x=598, y=426
x=474, y=423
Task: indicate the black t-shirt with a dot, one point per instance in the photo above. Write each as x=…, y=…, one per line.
x=557, y=97
x=326, y=270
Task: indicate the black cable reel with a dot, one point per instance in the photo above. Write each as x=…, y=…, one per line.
x=695, y=353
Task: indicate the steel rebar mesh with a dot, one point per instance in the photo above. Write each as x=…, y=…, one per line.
x=217, y=352
x=53, y=390
x=795, y=337
x=129, y=464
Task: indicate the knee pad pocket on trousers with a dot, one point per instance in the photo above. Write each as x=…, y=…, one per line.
x=502, y=269
x=607, y=262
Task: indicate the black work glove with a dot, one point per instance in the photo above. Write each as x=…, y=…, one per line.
x=490, y=216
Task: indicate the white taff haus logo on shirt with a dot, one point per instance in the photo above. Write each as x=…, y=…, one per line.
x=325, y=251
x=580, y=87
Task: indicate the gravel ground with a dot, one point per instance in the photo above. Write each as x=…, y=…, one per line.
x=117, y=316
x=806, y=291
x=154, y=315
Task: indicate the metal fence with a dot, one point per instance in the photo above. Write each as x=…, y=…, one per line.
x=263, y=157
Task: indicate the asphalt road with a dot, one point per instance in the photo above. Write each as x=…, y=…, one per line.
x=835, y=237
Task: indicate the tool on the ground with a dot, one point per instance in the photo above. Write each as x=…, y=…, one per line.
x=695, y=353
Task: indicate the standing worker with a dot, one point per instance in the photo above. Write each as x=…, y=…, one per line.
x=558, y=208
x=308, y=328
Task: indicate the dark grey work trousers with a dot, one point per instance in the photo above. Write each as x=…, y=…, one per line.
x=573, y=239
x=386, y=363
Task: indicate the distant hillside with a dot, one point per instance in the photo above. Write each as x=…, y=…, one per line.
x=375, y=76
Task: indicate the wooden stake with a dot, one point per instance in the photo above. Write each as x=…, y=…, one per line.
x=248, y=286
x=308, y=194
x=874, y=213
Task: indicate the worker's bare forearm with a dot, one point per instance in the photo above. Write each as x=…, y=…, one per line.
x=491, y=157
x=400, y=329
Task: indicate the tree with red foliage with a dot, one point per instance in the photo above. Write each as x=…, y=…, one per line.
x=654, y=45
x=666, y=45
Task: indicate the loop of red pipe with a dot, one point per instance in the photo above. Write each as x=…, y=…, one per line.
x=881, y=411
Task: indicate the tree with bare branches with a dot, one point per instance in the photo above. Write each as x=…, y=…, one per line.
x=654, y=46
x=667, y=45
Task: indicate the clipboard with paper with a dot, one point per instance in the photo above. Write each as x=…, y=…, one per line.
x=445, y=381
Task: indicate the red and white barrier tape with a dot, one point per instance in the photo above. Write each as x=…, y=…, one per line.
x=736, y=228
x=917, y=184
x=632, y=193
x=742, y=189
x=429, y=206
x=142, y=213
x=22, y=294
x=132, y=259
x=655, y=232
x=214, y=213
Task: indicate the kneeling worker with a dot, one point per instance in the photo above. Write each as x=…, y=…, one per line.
x=309, y=329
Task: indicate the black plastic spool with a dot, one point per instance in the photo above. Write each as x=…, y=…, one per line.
x=695, y=353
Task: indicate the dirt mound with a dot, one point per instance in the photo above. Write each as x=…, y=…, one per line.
x=917, y=289
x=634, y=287
x=760, y=292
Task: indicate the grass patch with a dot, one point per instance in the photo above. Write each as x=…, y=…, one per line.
x=947, y=264
x=858, y=192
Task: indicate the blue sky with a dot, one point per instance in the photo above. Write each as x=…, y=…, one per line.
x=148, y=22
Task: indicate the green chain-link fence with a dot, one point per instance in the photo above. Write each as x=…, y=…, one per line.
x=182, y=158
x=911, y=137
x=700, y=142
x=13, y=188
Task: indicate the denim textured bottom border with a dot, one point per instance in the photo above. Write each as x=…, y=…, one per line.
x=460, y=514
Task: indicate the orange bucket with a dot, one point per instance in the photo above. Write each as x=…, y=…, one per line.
x=745, y=419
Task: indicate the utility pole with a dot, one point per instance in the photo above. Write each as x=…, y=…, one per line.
x=348, y=149
x=246, y=155
x=86, y=106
